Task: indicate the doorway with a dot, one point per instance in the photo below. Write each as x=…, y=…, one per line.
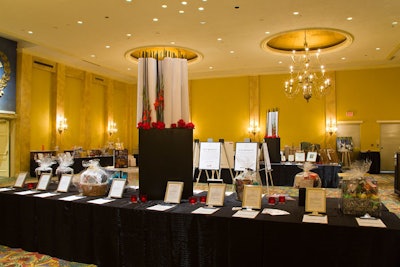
x=389, y=145
x=4, y=148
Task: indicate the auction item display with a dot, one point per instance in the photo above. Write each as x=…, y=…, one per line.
x=360, y=192
x=307, y=178
x=247, y=177
x=65, y=161
x=94, y=181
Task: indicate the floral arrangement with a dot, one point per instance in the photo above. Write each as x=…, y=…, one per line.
x=161, y=125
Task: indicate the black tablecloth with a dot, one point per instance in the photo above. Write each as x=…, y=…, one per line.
x=121, y=233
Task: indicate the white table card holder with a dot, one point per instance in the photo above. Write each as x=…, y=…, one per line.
x=210, y=160
x=173, y=193
x=315, y=201
x=311, y=156
x=117, y=188
x=215, y=195
x=252, y=195
x=44, y=181
x=21, y=178
x=64, y=183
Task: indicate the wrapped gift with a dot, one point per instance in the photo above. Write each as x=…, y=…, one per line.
x=45, y=164
x=94, y=181
x=360, y=191
x=307, y=178
x=65, y=160
x=248, y=177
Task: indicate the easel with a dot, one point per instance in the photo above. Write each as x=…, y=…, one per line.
x=268, y=167
x=225, y=154
x=209, y=160
x=247, y=157
x=196, y=153
x=346, y=160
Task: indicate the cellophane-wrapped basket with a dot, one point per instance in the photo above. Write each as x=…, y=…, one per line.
x=94, y=181
x=64, y=162
x=360, y=191
x=307, y=178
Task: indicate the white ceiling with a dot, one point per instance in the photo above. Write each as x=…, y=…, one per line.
x=241, y=24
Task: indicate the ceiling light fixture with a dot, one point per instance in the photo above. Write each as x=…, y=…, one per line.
x=307, y=74
x=160, y=52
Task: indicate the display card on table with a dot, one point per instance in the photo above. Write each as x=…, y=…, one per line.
x=173, y=192
x=44, y=181
x=21, y=179
x=216, y=194
x=117, y=188
x=65, y=181
x=252, y=195
x=315, y=200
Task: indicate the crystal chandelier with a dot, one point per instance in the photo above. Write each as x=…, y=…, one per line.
x=307, y=74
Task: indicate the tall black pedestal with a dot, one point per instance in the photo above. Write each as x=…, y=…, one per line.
x=274, y=149
x=165, y=155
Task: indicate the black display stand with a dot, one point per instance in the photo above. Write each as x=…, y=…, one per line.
x=274, y=149
x=165, y=155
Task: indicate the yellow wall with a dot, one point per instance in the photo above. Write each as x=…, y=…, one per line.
x=371, y=95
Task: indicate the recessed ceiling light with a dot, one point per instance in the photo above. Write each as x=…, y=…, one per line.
x=30, y=32
x=280, y=62
x=201, y=8
x=79, y=22
x=164, y=6
x=107, y=46
x=128, y=35
x=129, y=68
x=128, y=1
x=184, y=3
x=92, y=55
x=219, y=39
x=211, y=67
x=350, y=18
x=343, y=58
x=232, y=52
x=378, y=48
x=204, y=0
x=394, y=23
x=172, y=42
x=155, y=19
x=181, y=11
x=202, y=22
x=296, y=13
x=267, y=32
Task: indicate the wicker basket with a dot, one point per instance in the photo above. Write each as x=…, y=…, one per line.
x=94, y=190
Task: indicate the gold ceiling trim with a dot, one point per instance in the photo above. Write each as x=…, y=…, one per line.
x=162, y=52
x=317, y=38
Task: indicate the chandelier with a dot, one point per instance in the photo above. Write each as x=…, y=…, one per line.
x=307, y=74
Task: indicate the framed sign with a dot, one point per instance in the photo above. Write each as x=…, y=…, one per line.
x=21, y=179
x=311, y=156
x=315, y=200
x=246, y=156
x=44, y=181
x=216, y=194
x=117, y=188
x=300, y=156
x=64, y=183
x=210, y=156
x=252, y=195
x=173, y=193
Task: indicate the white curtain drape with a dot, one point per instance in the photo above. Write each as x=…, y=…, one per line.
x=174, y=75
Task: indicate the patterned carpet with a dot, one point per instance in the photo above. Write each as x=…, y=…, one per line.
x=13, y=257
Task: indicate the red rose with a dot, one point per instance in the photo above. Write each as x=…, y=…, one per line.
x=173, y=125
x=190, y=125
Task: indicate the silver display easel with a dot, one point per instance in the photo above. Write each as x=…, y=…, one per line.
x=267, y=166
x=225, y=155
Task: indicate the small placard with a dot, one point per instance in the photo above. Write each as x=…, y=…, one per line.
x=64, y=183
x=315, y=200
x=117, y=188
x=44, y=181
x=291, y=158
x=173, y=193
x=311, y=156
x=252, y=195
x=21, y=179
x=216, y=194
x=300, y=156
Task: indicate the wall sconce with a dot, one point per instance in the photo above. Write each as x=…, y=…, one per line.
x=253, y=128
x=112, y=128
x=61, y=124
x=331, y=127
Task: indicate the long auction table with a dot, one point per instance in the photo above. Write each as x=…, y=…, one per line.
x=121, y=233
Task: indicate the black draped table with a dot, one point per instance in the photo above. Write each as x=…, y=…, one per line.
x=283, y=174
x=121, y=233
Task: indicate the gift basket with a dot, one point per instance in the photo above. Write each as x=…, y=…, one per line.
x=360, y=191
x=247, y=177
x=307, y=178
x=45, y=164
x=65, y=160
x=94, y=181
